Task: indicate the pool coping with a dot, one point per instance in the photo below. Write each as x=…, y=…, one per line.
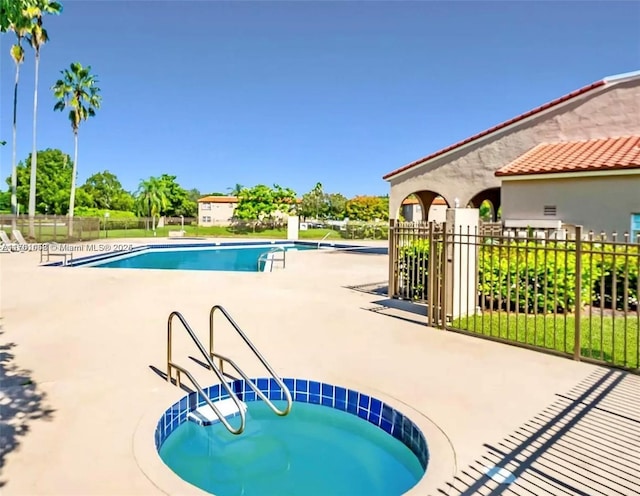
x=441, y=467
x=105, y=256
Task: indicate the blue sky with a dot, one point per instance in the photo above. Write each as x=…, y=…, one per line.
x=294, y=93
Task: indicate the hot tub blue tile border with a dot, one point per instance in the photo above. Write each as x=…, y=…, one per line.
x=361, y=405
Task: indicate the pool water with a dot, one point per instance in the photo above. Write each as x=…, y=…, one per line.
x=315, y=450
x=229, y=259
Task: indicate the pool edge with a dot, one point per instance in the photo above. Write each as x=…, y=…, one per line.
x=441, y=467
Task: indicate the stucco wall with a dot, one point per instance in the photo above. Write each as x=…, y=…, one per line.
x=219, y=213
x=413, y=213
x=596, y=203
x=611, y=112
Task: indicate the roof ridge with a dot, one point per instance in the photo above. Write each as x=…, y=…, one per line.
x=609, y=80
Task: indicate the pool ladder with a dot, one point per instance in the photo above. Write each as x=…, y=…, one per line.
x=265, y=258
x=209, y=357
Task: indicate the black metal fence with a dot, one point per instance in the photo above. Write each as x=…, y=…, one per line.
x=569, y=293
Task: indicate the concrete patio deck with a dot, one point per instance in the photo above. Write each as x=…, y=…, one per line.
x=79, y=347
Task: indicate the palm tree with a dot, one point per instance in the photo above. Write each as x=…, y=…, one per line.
x=37, y=38
x=235, y=191
x=318, y=193
x=18, y=21
x=76, y=90
x=151, y=199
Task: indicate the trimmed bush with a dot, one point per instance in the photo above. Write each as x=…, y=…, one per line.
x=532, y=277
x=413, y=269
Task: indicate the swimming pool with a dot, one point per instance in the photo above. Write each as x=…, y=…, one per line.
x=242, y=257
x=334, y=441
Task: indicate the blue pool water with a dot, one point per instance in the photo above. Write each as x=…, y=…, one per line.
x=206, y=258
x=315, y=450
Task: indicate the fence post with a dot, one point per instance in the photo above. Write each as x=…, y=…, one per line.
x=391, y=290
x=578, y=297
x=431, y=278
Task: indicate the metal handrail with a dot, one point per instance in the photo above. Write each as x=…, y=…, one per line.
x=248, y=381
x=237, y=431
x=248, y=342
x=207, y=357
x=274, y=250
x=325, y=237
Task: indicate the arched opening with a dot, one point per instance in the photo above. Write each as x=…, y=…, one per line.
x=423, y=206
x=488, y=201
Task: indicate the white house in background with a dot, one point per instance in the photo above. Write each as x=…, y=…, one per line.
x=216, y=210
x=219, y=210
x=412, y=210
x=593, y=183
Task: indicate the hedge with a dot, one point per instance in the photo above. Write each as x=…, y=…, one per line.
x=532, y=277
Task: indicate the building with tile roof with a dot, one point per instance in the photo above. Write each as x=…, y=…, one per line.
x=593, y=183
x=547, y=157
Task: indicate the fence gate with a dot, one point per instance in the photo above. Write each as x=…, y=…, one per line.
x=417, y=268
x=565, y=292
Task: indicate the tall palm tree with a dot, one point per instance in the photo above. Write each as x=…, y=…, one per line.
x=18, y=20
x=77, y=91
x=151, y=199
x=235, y=191
x=37, y=38
x=318, y=193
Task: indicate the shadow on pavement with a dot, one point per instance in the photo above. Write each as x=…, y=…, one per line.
x=586, y=443
x=21, y=403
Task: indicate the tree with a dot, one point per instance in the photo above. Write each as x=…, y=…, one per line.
x=77, y=90
x=53, y=181
x=261, y=202
x=37, y=38
x=336, y=206
x=235, y=191
x=151, y=199
x=107, y=192
x=368, y=208
x=18, y=20
x=5, y=201
x=314, y=203
x=178, y=200
x=194, y=195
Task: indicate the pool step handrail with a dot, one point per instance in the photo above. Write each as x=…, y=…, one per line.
x=264, y=257
x=172, y=365
x=324, y=237
x=222, y=359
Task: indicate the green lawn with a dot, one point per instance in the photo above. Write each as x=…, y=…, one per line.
x=48, y=233
x=615, y=341
x=221, y=232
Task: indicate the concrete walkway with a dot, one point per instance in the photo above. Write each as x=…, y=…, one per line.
x=79, y=348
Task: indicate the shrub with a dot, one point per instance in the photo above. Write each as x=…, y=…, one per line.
x=413, y=268
x=534, y=277
x=355, y=230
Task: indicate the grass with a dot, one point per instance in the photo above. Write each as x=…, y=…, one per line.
x=221, y=232
x=47, y=233
x=612, y=340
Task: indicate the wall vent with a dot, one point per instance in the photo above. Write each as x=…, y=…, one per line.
x=550, y=210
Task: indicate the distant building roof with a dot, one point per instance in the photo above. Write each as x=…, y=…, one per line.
x=611, y=80
x=219, y=199
x=226, y=199
x=577, y=156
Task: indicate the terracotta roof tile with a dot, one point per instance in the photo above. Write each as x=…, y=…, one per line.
x=577, y=156
x=219, y=199
x=502, y=125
